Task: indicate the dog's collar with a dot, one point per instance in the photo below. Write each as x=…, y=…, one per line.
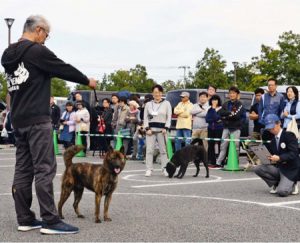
x=172, y=163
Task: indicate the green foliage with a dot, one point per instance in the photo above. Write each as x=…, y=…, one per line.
x=3, y=87
x=210, y=69
x=171, y=85
x=59, y=88
x=134, y=80
x=282, y=63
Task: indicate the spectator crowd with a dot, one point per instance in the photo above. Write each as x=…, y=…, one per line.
x=145, y=123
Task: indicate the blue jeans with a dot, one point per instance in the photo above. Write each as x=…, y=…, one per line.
x=186, y=133
x=141, y=144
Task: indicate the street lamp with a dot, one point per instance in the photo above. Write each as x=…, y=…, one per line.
x=9, y=22
x=184, y=74
x=235, y=65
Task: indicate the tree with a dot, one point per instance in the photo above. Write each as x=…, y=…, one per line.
x=282, y=63
x=3, y=87
x=59, y=88
x=210, y=70
x=134, y=80
x=171, y=85
x=246, y=77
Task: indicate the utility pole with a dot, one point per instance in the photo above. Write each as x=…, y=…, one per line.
x=184, y=74
x=235, y=65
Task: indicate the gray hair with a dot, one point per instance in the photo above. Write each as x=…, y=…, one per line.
x=34, y=21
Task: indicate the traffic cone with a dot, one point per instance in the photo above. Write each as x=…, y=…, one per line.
x=79, y=142
x=55, y=143
x=119, y=142
x=169, y=148
x=232, y=161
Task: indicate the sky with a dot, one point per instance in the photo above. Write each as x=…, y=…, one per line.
x=102, y=36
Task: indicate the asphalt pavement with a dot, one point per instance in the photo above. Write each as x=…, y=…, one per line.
x=228, y=206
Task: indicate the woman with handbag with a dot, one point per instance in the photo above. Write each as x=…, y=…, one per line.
x=292, y=108
x=67, y=127
x=82, y=122
x=104, y=126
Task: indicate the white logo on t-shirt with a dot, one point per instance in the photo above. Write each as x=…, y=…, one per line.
x=20, y=76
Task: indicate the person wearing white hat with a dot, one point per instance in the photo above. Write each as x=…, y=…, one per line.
x=184, y=120
x=132, y=120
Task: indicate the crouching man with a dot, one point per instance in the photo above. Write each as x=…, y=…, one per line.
x=282, y=173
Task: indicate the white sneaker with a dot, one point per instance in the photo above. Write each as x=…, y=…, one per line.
x=148, y=173
x=273, y=190
x=165, y=173
x=295, y=189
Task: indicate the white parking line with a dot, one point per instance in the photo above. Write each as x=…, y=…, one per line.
x=285, y=203
x=231, y=200
x=197, y=182
x=128, y=178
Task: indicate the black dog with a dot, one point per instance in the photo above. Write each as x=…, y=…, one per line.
x=195, y=153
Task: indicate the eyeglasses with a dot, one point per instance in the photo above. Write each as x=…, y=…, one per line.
x=47, y=33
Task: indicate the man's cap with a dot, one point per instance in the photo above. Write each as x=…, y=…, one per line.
x=185, y=94
x=270, y=121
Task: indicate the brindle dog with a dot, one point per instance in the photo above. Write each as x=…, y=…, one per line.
x=101, y=179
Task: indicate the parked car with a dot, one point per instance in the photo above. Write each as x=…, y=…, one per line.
x=61, y=103
x=174, y=98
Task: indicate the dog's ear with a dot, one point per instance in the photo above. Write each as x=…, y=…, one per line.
x=122, y=150
x=110, y=149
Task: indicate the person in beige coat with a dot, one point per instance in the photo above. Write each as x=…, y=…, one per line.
x=82, y=118
x=184, y=120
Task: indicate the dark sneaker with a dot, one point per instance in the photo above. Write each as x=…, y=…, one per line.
x=58, y=228
x=36, y=224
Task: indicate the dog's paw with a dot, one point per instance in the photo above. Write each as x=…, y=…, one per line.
x=80, y=216
x=97, y=221
x=61, y=217
x=107, y=219
x=195, y=175
x=207, y=176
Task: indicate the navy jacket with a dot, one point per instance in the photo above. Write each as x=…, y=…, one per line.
x=213, y=119
x=289, y=163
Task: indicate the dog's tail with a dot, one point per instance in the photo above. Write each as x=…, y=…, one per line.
x=197, y=140
x=70, y=153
